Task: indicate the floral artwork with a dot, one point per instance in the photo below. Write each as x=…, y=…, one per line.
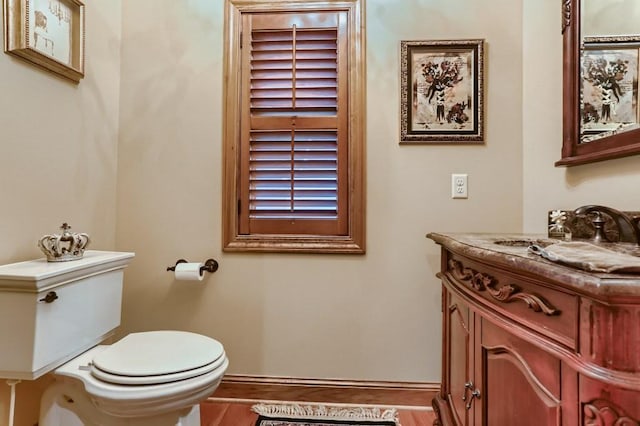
x=609, y=71
x=609, y=86
x=442, y=91
x=442, y=95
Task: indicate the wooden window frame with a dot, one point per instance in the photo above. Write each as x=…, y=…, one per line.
x=353, y=241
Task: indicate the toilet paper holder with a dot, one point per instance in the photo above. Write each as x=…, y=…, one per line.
x=210, y=265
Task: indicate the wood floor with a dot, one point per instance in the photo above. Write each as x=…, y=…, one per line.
x=230, y=413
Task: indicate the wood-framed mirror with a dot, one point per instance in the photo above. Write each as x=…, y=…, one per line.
x=601, y=112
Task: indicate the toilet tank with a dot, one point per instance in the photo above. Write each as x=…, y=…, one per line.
x=50, y=312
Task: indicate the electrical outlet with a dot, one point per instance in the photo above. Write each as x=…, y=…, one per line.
x=459, y=185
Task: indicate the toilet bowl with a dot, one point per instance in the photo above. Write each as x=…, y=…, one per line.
x=57, y=315
x=150, y=378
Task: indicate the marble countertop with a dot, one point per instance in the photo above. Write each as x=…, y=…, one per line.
x=511, y=252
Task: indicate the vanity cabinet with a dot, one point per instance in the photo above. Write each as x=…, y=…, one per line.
x=528, y=342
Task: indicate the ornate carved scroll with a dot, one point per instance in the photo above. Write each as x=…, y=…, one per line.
x=566, y=15
x=510, y=292
x=477, y=280
x=600, y=412
x=506, y=294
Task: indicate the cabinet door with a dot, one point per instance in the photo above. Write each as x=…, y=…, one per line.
x=519, y=383
x=457, y=355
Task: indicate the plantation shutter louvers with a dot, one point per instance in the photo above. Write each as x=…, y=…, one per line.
x=294, y=124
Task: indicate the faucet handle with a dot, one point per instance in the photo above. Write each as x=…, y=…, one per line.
x=628, y=229
x=598, y=223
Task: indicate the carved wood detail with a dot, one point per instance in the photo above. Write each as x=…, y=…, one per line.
x=436, y=410
x=566, y=15
x=506, y=294
x=600, y=412
x=511, y=292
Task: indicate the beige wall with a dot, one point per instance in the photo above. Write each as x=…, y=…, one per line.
x=58, y=155
x=374, y=317
x=613, y=183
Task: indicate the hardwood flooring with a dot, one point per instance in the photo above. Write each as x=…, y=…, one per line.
x=230, y=413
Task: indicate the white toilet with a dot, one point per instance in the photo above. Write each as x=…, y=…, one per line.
x=54, y=315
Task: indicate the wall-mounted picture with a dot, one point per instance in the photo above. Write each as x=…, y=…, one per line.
x=442, y=91
x=609, y=70
x=47, y=33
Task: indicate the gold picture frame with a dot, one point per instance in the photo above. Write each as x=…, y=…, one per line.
x=47, y=33
x=442, y=91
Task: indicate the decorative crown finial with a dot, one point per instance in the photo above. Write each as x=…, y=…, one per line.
x=65, y=247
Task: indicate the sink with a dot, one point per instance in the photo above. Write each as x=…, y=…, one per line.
x=623, y=248
x=524, y=242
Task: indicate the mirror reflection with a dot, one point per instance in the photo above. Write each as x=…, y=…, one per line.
x=610, y=57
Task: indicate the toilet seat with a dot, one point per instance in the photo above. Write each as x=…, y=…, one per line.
x=156, y=357
x=138, y=401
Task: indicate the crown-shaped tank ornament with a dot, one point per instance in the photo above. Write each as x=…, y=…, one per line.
x=64, y=247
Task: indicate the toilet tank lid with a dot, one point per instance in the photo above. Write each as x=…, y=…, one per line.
x=39, y=275
x=161, y=352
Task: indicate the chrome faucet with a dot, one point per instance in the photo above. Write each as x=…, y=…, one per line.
x=628, y=229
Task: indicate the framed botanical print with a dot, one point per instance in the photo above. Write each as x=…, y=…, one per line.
x=442, y=84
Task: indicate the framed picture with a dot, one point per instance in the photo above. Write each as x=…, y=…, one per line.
x=442, y=91
x=609, y=71
x=47, y=33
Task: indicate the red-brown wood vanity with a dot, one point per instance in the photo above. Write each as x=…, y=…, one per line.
x=530, y=342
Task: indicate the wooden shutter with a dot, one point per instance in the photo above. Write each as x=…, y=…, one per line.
x=294, y=118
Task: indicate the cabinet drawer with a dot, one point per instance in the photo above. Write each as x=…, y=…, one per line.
x=525, y=301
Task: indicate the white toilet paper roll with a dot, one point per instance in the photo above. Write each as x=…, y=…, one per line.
x=189, y=272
